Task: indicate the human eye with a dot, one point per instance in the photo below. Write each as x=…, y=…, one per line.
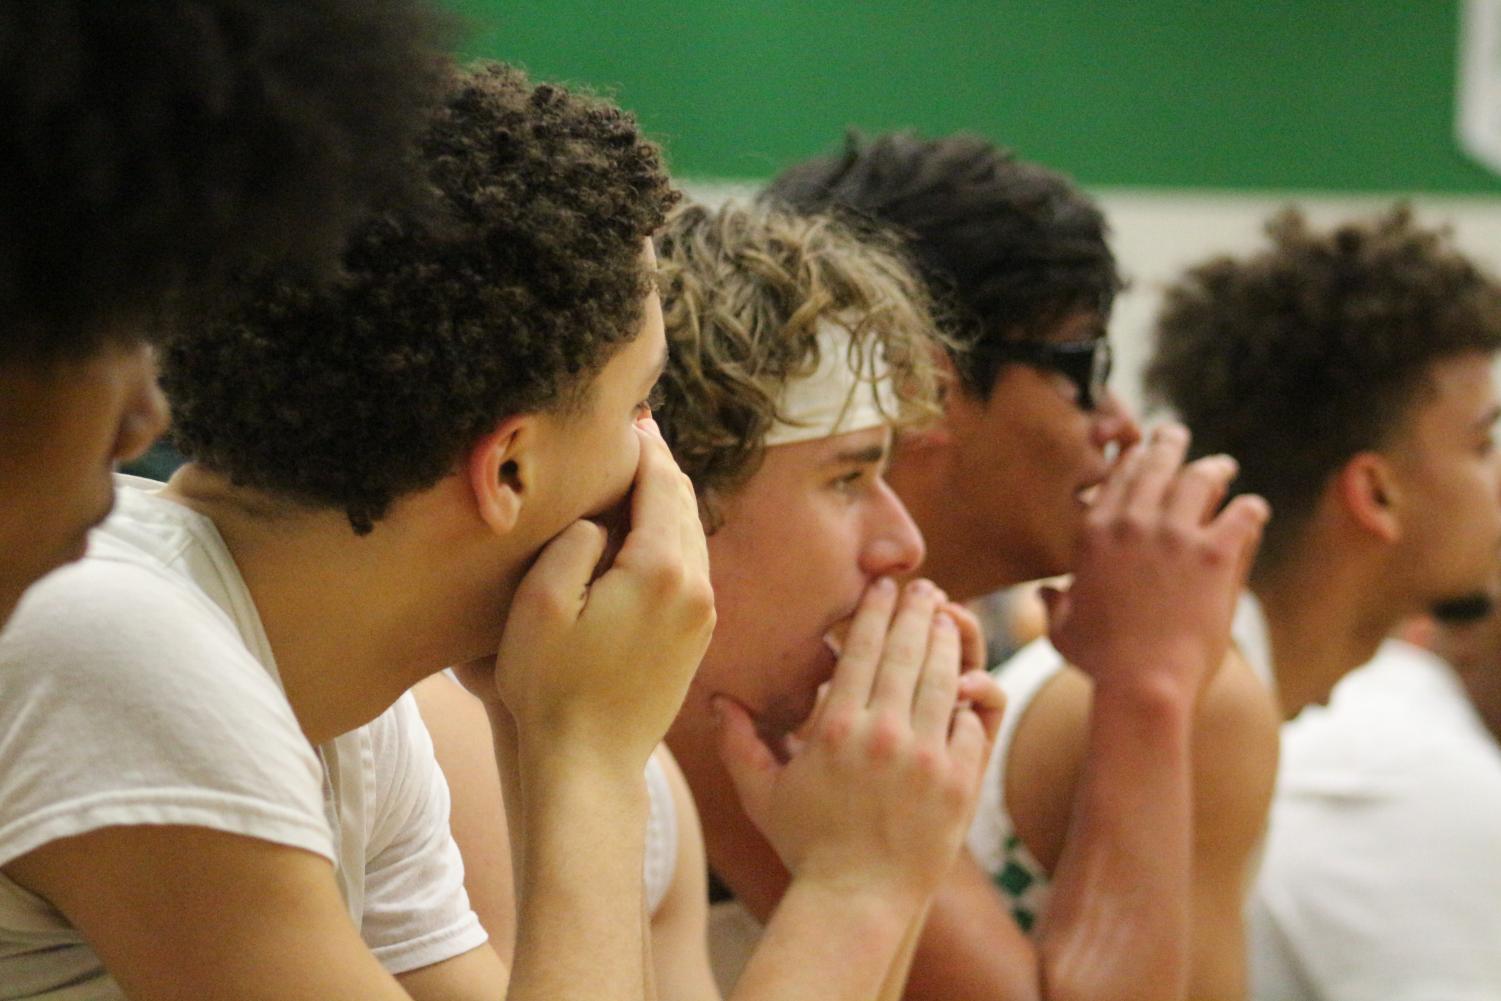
x=653, y=401
x=852, y=481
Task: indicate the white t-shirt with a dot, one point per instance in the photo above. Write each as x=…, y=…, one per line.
x=1381, y=875
x=137, y=687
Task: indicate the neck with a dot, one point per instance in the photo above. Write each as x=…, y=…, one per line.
x=1326, y=615
x=355, y=621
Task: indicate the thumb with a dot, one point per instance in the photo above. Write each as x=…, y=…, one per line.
x=752, y=767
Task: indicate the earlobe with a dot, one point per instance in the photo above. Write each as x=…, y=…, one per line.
x=498, y=475
x=1370, y=495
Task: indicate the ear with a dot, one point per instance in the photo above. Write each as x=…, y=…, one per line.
x=499, y=470
x=1367, y=489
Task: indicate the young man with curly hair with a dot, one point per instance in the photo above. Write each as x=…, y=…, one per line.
x=211, y=782
x=1102, y=766
x=148, y=147
x=1350, y=369
x=795, y=539
x=793, y=349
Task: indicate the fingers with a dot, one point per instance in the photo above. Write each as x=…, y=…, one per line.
x=856, y=670
x=751, y=765
x=906, y=647
x=1240, y=526
x=986, y=700
x=973, y=654
x=1153, y=473
x=1197, y=491
x=938, y=687
x=664, y=511
x=559, y=578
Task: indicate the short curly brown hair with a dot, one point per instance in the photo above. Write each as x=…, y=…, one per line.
x=743, y=290
x=354, y=395
x=1298, y=357
x=151, y=145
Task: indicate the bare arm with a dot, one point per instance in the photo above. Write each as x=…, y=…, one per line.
x=193, y=913
x=590, y=672
x=1148, y=618
x=1235, y=745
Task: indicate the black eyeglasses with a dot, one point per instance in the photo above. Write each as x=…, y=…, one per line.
x=1086, y=364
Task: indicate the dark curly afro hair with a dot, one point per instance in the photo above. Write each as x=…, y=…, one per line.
x=147, y=144
x=1298, y=357
x=1009, y=248
x=353, y=394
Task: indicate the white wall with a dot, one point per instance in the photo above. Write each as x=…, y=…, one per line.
x=1158, y=234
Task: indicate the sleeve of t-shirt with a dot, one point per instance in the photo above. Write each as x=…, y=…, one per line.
x=1386, y=884
x=416, y=910
x=127, y=698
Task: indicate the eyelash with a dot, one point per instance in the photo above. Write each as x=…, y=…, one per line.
x=849, y=480
x=653, y=399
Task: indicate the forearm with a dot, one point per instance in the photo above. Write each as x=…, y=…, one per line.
x=503, y=736
x=580, y=930
x=825, y=945
x=1117, y=920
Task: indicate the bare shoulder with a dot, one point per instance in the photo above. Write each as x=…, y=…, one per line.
x=1236, y=739
x=1235, y=757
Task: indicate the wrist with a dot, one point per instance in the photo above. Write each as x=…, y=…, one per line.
x=872, y=916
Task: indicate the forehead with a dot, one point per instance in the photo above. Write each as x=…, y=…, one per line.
x=1456, y=393
x=868, y=445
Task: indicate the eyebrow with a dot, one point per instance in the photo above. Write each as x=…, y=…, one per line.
x=858, y=456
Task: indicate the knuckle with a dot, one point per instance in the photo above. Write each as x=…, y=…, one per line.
x=1128, y=528
x=1215, y=554
x=667, y=578
x=928, y=763
x=541, y=601
x=955, y=791
x=1172, y=537
x=886, y=735
x=835, y=728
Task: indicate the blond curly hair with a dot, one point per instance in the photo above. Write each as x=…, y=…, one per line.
x=744, y=288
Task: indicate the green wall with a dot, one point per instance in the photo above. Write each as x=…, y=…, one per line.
x=1275, y=94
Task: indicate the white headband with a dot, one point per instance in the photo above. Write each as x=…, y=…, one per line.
x=837, y=397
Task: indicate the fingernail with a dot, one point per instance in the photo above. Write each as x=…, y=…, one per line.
x=884, y=585
x=1229, y=462
x=920, y=587
x=943, y=620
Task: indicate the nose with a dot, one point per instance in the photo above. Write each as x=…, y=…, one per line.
x=893, y=545
x=1114, y=422
x=144, y=418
